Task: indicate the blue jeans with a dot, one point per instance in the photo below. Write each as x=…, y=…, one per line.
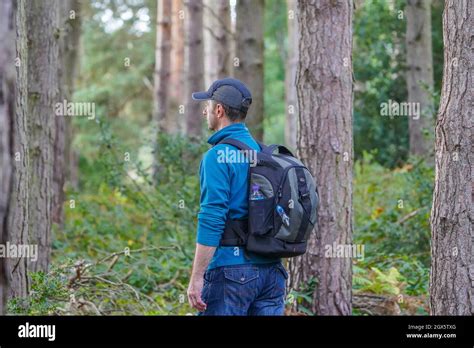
x=250, y=289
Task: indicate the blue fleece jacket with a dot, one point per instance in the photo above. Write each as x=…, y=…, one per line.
x=224, y=194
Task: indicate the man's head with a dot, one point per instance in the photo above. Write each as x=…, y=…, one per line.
x=228, y=101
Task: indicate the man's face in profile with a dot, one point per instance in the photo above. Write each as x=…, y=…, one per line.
x=210, y=113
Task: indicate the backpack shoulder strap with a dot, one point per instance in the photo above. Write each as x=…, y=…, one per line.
x=237, y=143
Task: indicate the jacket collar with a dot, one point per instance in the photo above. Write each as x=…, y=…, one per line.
x=235, y=130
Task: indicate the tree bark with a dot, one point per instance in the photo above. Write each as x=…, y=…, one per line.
x=249, y=52
x=162, y=64
x=420, y=75
x=324, y=87
x=176, y=82
x=70, y=45
x=7, y=97
x=217, y=29
x=194, y=65
x=290, y=76
x=452, y=246
x=162, y=72
x=64, y=156
x=43, y=84
x=18, y=209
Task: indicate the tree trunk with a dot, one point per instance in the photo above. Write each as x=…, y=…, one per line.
x=290, y=76
x=162, y=64
x=452, y=246
x=420, y=75
x=162, y=72
x=324, y=87
x=249, y=53
x=7, y=97
x=43, y=37
x=194, y=65
x=18, y=209
x=69, y=21
x=176, y=83
x=217, y=31
x=70, y=62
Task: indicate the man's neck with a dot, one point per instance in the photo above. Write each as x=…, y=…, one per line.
x=225, y=124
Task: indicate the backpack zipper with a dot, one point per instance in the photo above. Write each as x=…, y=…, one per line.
x=284, y=178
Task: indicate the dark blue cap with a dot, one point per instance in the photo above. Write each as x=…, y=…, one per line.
x=228, y=91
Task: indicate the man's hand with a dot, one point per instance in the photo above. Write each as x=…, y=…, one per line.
x=194, y=293
x=201, y=260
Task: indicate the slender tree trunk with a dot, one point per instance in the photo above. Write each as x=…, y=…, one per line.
x=193, y=65
x=162, y=71
x=69, y=21
x=18, y=210
x=162, y=64
x=70, y=62
x=7, y=97
x=176, y=83
x=43, y=84
x=420, y=75
x=452, y=246
x=217, y=29
x=249, y=52
x=324, y=85
x=290, y=76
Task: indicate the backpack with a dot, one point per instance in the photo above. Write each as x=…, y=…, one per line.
x=282, y=205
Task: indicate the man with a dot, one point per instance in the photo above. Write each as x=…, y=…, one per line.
x=228, y=280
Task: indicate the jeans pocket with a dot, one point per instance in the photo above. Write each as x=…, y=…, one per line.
x=240, y=286
x=207, y=276
x=279, y=289
x=282, y=270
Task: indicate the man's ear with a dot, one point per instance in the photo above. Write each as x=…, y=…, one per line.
x=220, y=110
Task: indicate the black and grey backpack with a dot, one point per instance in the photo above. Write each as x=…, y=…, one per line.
x=283, y=201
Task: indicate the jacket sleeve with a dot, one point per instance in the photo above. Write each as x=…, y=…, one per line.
x=215, y=196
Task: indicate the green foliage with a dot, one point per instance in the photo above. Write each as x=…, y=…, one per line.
x=123, y=208
x=303, y=297
x=377, y=281
x=116, y=69
x=379, y=65
x=275, y=41
x=392, y=207
x=46, y=294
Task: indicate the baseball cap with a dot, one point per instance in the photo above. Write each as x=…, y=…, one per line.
x=229, y=91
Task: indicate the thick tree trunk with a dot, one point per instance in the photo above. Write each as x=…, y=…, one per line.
x=324, y=85
x=452, y=246
x=7, y=97
x=249, y=53
x=43, y=37
x=176, y=120
x=420, y=75
x=194, y=65
x=217, y=29
x=290, y=76
x=18, y=210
